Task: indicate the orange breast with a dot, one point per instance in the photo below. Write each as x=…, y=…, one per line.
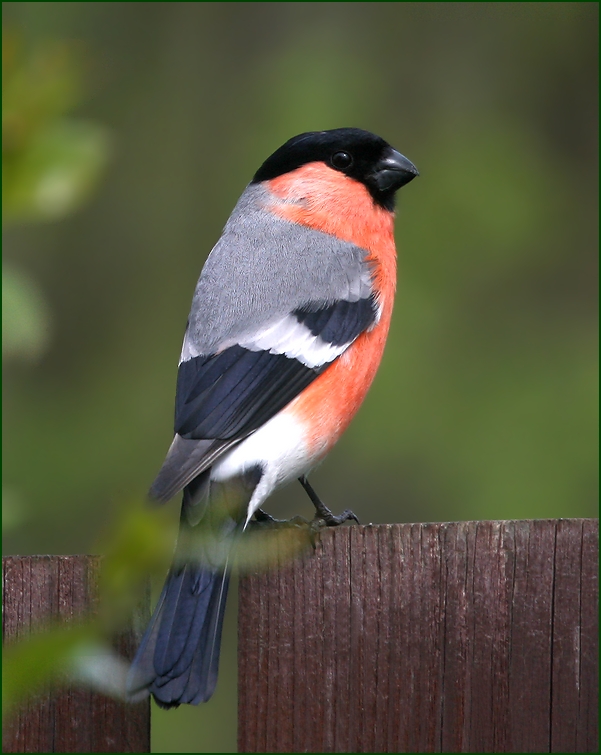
x=328, y=405
x=328, y=201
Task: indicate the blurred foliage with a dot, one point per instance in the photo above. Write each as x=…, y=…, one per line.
x=50, y=162
x=136, y=546
x=45, y=656
x=486, y=402
x=139, y=545
x=25, y=317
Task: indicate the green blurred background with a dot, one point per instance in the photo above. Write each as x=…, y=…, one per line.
x=486, y=403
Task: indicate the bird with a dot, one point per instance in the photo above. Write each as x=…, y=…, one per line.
x=286, y=331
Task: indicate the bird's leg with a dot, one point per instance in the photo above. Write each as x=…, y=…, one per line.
x=323, y=516
x=322, y=511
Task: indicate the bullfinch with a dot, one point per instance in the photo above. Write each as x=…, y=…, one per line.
x=286, y=331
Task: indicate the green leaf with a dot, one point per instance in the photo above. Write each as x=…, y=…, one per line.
x=25, y=317
x=56, y=173
x=30, y=664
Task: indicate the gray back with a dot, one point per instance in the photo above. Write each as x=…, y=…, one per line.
x=264, y=267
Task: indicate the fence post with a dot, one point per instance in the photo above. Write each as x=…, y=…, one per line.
x=460, y=637
x=73, y=719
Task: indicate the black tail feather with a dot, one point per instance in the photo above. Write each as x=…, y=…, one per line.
x=178, y=658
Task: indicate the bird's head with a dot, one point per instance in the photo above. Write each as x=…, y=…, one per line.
x=358, y=155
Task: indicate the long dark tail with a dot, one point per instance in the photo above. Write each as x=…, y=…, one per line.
x=178, y=658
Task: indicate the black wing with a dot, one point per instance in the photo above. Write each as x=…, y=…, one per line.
x=230, y=394
x=222, y=398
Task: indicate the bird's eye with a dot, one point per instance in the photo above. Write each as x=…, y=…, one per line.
x=341, y=160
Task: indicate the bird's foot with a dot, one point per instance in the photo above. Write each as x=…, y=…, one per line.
x=332, y=520
x=322, y=512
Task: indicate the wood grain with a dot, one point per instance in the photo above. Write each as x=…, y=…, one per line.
x=38, y=588
x=460, y=637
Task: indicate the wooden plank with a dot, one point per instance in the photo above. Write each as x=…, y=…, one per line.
x=587, y=727
x=460, y=637
x=39, y=588
x=565, y=678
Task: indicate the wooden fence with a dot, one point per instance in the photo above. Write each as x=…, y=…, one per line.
x=464, y=637
x=38, y=588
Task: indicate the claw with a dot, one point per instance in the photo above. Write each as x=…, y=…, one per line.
x=322, y=511
x=331, y=520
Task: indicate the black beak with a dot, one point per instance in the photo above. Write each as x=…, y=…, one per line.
x=394, y=171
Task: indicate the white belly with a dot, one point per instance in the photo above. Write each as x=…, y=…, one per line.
x=278, y=447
